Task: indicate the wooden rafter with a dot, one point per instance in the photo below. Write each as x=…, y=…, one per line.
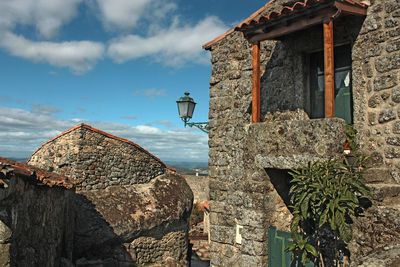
x=256, y=83
x=351, y=9
x=287, y=27
x=329, y=70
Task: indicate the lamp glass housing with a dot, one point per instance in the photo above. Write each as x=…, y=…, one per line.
x=186, y=106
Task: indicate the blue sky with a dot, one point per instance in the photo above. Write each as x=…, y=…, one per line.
x=117, y=65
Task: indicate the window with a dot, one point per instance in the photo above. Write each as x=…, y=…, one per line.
x=343, y=92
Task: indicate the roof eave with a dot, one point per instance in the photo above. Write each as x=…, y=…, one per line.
x=271, y=28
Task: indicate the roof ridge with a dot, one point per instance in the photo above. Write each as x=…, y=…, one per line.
x=57, y=136
x=88, y=127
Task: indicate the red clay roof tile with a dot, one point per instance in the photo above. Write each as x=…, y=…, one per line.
x=208, y=45
x=258, y=17
x=48, y=178
x=298, y=6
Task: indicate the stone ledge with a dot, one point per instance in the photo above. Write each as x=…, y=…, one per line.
x=292, y=144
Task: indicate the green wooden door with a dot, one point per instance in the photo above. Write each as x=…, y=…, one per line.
x=277, y=256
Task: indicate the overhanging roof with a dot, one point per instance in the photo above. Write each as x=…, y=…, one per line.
x=299, y=16
x=265, y=16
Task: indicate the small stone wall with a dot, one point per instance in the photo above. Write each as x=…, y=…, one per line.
x=172, y=246
x=36, y=220
x=200, y=187
x=131, y=209
x=96, y=159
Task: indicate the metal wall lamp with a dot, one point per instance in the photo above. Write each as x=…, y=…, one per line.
x=186, y=107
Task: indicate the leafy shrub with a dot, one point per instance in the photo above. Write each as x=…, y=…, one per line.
x=324, y=196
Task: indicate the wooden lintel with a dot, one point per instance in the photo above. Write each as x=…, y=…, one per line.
x=329, y=70
x=350, y=9
x=297, y=25
x=256, y=83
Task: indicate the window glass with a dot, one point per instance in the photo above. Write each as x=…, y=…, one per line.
x=343, y=94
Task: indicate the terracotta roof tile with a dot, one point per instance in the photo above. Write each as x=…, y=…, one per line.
x=48, y=178
x=208, y=45
x=259, y=16
x=288, y=10
x=204, y=206
x=82, y=125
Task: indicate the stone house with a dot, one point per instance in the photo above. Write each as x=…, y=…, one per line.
x=284, y=84
x=36, y=216
x=131, y=209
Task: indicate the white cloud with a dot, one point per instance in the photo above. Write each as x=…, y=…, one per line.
x=22, y=132
x=171, y=46
x=122, y=13
x=165, y=123
x=46, y=15
x=166, y=39
x=79, y=56
x=151, y=93
x=125, y=14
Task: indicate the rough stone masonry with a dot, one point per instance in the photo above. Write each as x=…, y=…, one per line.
x=249, y=162
x=130, y=208
x=36, y=216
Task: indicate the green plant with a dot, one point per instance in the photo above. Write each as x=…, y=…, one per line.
x=324, y=196
x=351, y=138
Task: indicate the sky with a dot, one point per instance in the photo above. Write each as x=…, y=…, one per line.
x=116, y=65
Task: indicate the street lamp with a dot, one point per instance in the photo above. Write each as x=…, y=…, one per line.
x=186, y=106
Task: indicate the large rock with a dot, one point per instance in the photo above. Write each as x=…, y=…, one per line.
x=121, y=214
x=131, y=209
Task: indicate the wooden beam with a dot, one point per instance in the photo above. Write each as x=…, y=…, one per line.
x=298, y=24
x=351, y=9
x=301, y=21
x=256, y=83
x=329, y=70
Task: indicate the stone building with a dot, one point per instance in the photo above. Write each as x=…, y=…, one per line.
x=274, y=108
x=36, y=216
x=131, y=208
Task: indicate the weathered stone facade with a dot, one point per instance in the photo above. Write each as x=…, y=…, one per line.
x=36, y=216
x=248, y=163
x=200, y=187
x=96, y=159
x=131, y=209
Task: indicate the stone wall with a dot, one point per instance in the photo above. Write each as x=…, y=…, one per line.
x=239, y=191
x=244, y=194
x=36, y=218
x=200, y=187
x=131, y=209
x=376, y=75
x=96, y=159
